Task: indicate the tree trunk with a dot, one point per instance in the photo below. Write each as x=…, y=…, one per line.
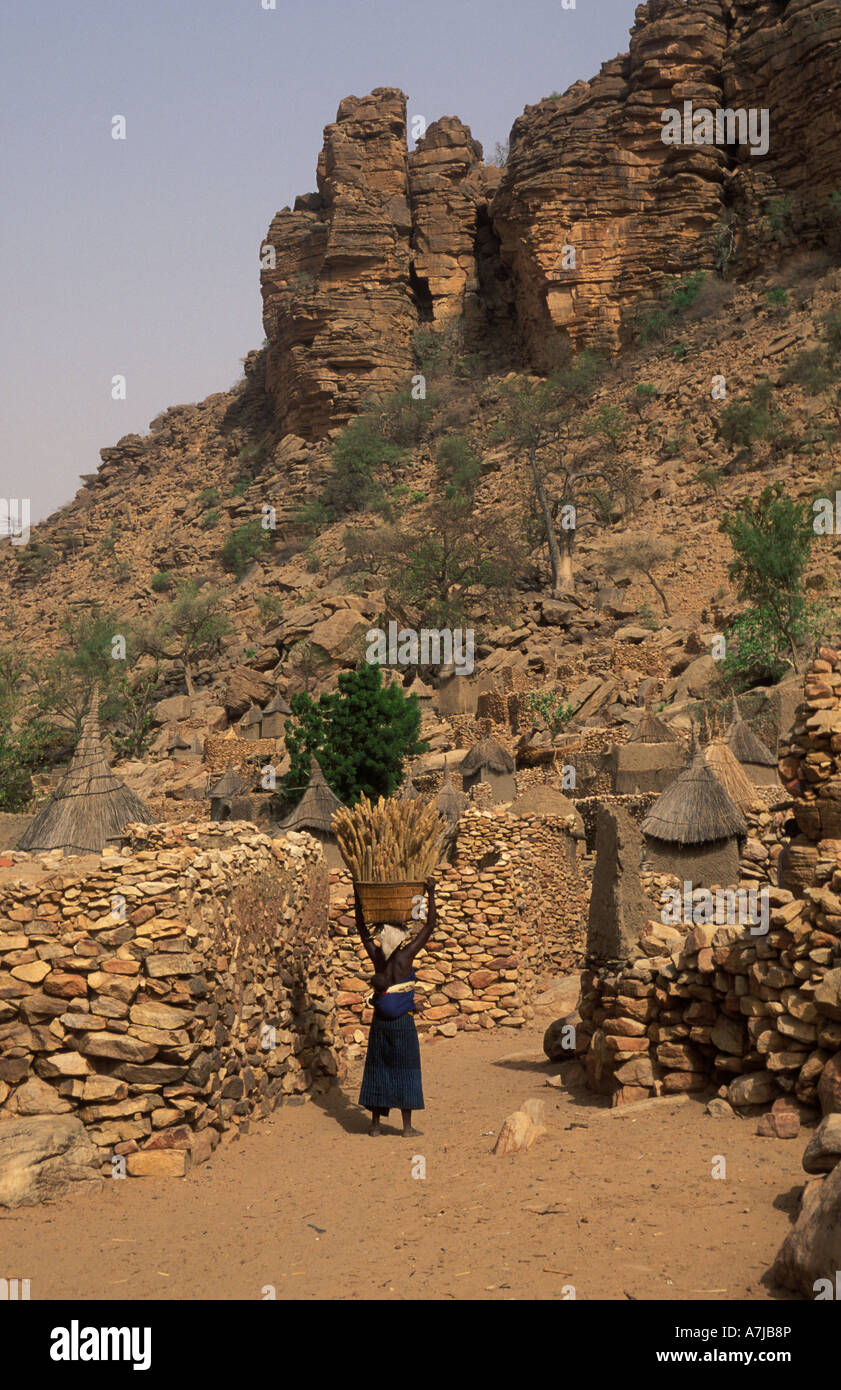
x=188, y=678
x=555, y=561
x=660, y=594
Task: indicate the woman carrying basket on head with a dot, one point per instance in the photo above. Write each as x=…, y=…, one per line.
x=392, y=1076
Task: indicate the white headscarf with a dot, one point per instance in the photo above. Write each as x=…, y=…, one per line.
x=392, y=939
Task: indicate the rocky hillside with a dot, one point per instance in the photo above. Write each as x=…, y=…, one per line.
x=434, y=241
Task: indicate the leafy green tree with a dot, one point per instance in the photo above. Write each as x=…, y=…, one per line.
x=446, y=553
x=189, y=629
x=360, y=734
x=772, y=539
x=458, y=466
x=641, y=554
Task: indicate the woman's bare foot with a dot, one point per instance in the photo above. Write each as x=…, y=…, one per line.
x=409, y=1132
x=376, y=1128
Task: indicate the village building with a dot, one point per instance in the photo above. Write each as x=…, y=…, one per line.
x=229, y=797
x=730, y=774
x=759, y=763
x=649, y=760
x=275, y=715
x=694, y=829
x=489, y=762
x=314, y=814
x=90, y=807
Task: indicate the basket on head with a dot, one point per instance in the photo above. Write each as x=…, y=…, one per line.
x=389, y=902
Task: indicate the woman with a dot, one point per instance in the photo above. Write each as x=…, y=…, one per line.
x=392, y=1076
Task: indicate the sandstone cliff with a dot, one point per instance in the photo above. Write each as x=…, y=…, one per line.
x=395, y=239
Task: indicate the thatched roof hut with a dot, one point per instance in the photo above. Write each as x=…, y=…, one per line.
x=650, y=729
x=90, y=806
x=450, y=801
x=489, y=762
x=317, y=807
x=730, y=774
x=249, y=725
x=694, y=828
x=275, y=714
x=409, y=792
x=758, y=761
x=231, y=783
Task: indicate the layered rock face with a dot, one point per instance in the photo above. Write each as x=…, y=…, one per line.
x=590, y=170
x=385, y=244
x=593, y=209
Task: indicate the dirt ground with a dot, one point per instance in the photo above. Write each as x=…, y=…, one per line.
x=308, y=1203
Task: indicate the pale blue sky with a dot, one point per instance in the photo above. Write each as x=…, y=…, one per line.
x=141, y=256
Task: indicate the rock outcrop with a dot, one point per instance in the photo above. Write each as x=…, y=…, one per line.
x=350, y=273
x=593, y=208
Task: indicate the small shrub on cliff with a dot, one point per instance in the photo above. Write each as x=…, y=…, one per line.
x=244, y=545
x=550, y=706
x=208, y=497
x=360, y=455
x=743, y=423
x=161, y=582
x=772, y=538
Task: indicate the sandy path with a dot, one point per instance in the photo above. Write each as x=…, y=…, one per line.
x=308, y=1203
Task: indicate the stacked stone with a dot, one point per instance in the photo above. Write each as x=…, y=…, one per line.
x=500, y=928
x=169, y=994
x=759, y=1014
x=241, y=753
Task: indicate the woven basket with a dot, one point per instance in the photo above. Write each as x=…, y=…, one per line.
x=389, y=902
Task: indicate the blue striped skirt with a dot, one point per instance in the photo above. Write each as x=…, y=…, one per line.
x=392, y=1076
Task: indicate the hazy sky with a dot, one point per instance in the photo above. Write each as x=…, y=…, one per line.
x=140, y=256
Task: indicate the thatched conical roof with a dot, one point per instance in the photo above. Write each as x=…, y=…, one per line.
x=487, y=753
x=695, y=809
x=409, y=792
x=744, y=743
x=317, y=807
x=231, y=783
x=650, y=729
x=277, y=705
x=450, y=801
x=90, y=806
x=252, y=716
x=730, y=774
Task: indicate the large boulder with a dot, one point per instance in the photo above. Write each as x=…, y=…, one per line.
x=45, y=1156
x=245, y=688
x=823, y=1152
x=812, y=1249
x=829, y=1086
x=341, y=636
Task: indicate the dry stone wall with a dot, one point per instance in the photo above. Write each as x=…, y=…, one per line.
x=711, y=1000
x=169, y=992
x=511, y=908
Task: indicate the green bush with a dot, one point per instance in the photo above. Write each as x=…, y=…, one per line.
x=745, y=422
x=651, y=322
x=270, y=608
x=209, y=520
x=208, y=497
x=550, y=706
x=778, y=218
x=359, y=456
x=811, y=371
x=243, y=546
x=776, y=298
x=458, y=465
x=161, y=582
x=240, y=488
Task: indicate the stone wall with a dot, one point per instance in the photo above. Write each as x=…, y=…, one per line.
x=168, y=992
x=707, y=1001
x=511, y=908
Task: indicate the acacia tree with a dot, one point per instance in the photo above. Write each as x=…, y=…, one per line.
x=539, y=420
x=446, y=553
x=189, y=628
x=642, y=555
